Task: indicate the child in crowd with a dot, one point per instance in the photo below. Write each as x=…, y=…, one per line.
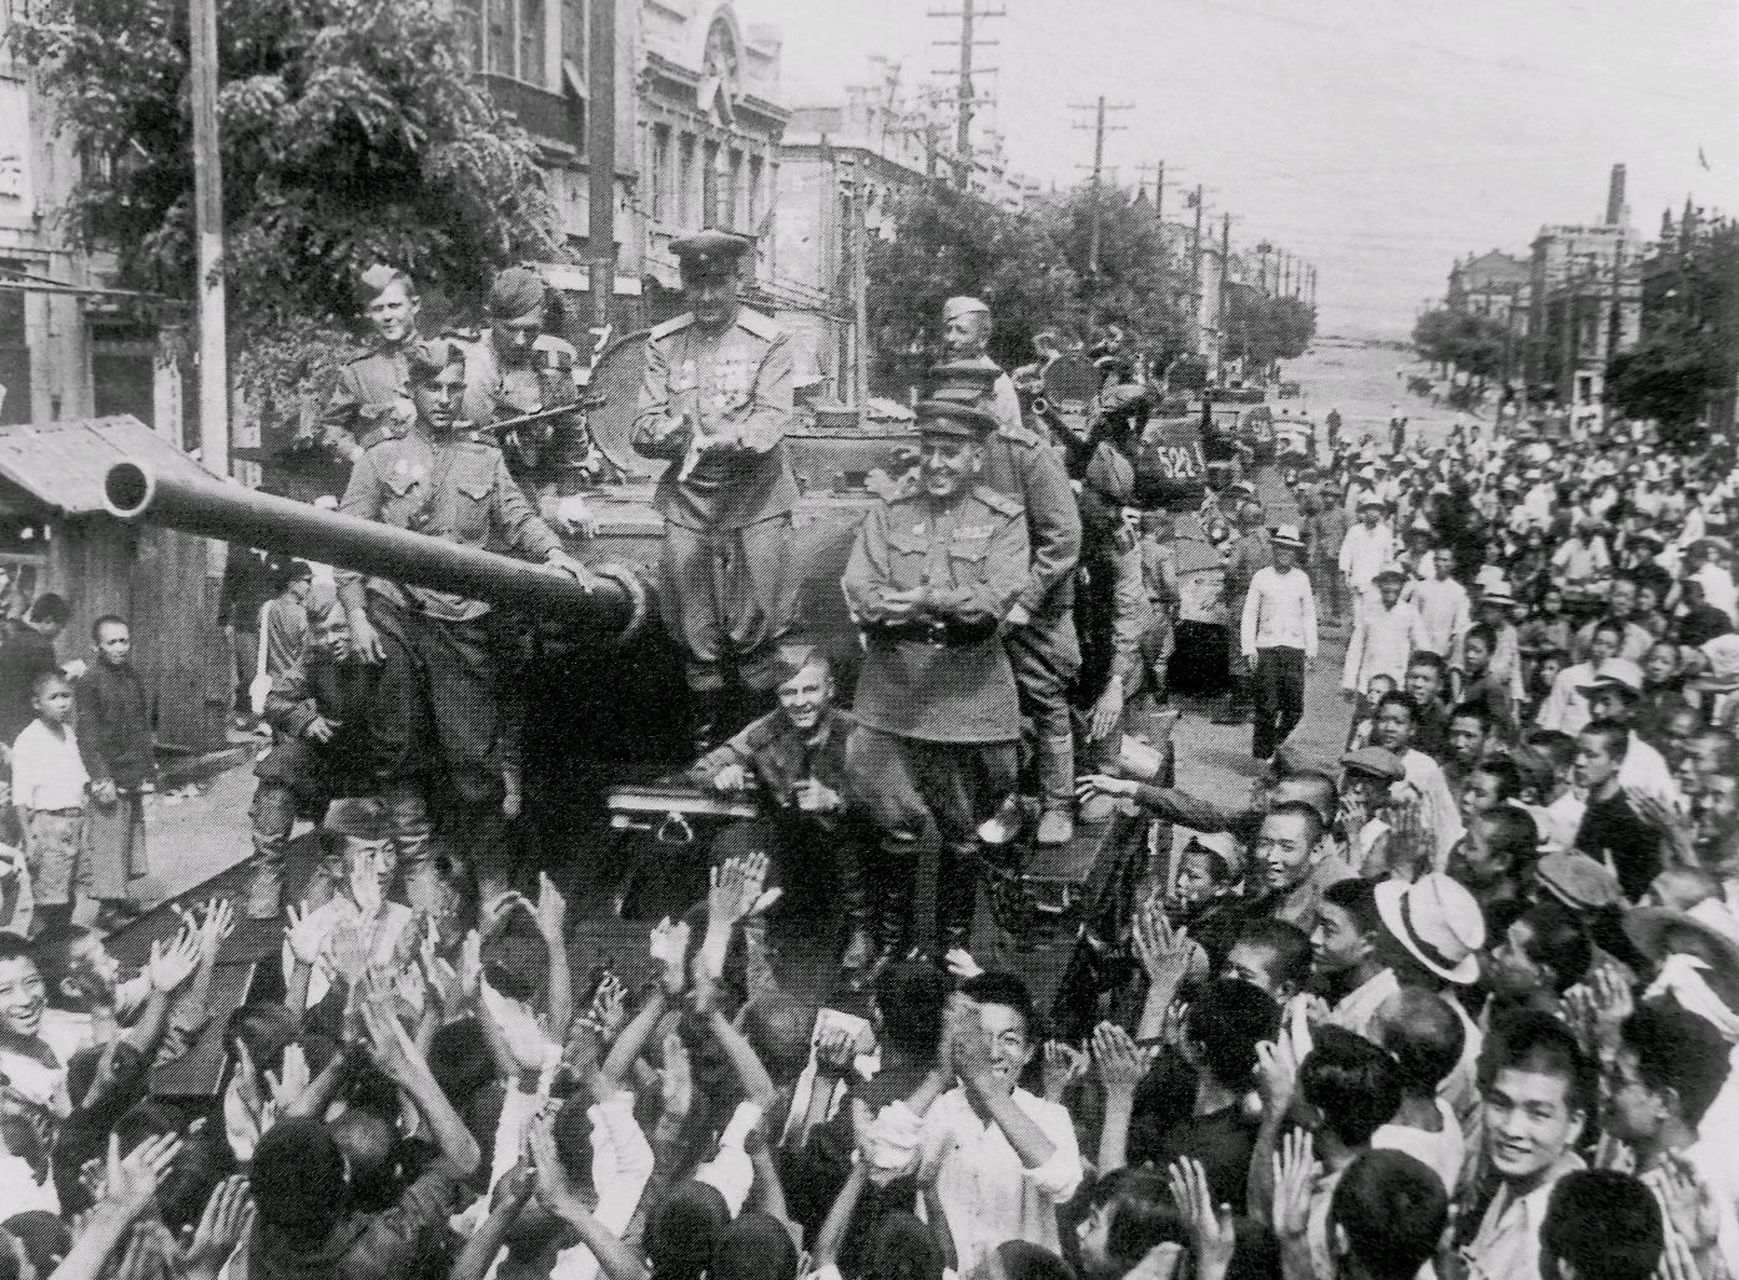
x=115, y=742
x=50, y=786
x=1477, y=683
x=1545, y=672
x=1375, y=691
x=1204, y=899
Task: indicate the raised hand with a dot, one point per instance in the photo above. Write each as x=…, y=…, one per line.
x=525, y=1040
x=610, y=1006
x=1276, y=1076
x=1294, y=1178
x=1166, y=953
x=305, y=933
x=676, y=1080
x=835, y=1053
x=440, y=978
x=971, y=1054
x=172, y=965
x=551, y=912
x=961, y=965
x=130, y=1183
x=554, y=1191
x=1064, y=1064
x=669, y=948
x=291, y=1079
x=470, y=974
x=1091, y=785
x=1686, y=1202
x=228, y=1217
x=1121, y=1065
x=1211, y=1237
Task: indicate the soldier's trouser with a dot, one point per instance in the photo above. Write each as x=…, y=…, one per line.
x=729, y=596
x=273, y=815
x=1279, y=698
x=442, y=687
x=1046, y=656
x=905, y=787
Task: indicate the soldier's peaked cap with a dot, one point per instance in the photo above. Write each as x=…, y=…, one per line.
x=707, y=251
x=954, y=308
x=945, y=418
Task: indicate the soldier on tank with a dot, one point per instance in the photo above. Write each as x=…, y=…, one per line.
x=371, y=401
x=932, y=576
x=443, y=700
x=514, y=367
x=716, y=402
x=1041, y=635
x=319, y=712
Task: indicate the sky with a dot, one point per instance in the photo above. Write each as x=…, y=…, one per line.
x=1376, y=139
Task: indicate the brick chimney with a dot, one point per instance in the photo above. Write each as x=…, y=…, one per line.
x=1615, y=197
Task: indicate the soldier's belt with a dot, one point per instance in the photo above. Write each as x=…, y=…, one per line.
x=931, y=631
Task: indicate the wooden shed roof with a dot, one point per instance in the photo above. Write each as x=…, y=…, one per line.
x=62, y=464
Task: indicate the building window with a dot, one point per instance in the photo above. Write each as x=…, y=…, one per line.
x=685, y=180
x=506, y=38
x=660, y=166
x=734, y=201
x=710, y=207
x=575, y=34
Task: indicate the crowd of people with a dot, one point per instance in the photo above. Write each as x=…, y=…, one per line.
x=1459, y=998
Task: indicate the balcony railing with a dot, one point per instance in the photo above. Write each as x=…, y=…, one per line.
x=542, y=114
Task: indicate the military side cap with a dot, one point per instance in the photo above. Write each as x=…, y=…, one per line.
x=359, y=818
x=945, y=418
x=436, y=354
x=517, y=291
x=377, y=280
x=1375, y=762
x=954, y=308
x=707, y=251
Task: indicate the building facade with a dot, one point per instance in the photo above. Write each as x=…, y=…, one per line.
x=697, y=128
x=1494, y=284
x=1584, y=306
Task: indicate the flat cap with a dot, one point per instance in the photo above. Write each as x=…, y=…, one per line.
x=1375, y=762
x=1577, y=880
x=946, y=418
x=708, y=250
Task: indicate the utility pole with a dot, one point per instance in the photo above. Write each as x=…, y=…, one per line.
x=1196, y=271
x=1094, y=208
x=208, y=222
x=1225, y=263
x=601, y=157
x=965, y=98
x=859, y=291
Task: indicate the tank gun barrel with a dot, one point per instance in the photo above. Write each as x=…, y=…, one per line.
x=613, y=602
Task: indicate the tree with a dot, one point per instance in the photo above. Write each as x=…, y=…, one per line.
x=947, y=242
x=353, y=132
x=1468, y=343
x=1265, y=328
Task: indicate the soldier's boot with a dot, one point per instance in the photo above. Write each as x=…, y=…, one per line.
x=956, y=901
x=409, y=829
x=859, y=952
x=894, y=901
x=273, y=816
x=705, y=709
x=1005, y=824
x=1056, y=790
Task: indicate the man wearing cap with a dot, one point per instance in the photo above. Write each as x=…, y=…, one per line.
x=441, y=684
x=1368, y=779
x=1248, y=553
x=372, y=398
x=514, y=368
x=933, y=574
x=1386, y=630
x=715, y=402
x=1368, y=547
x=1613, y=694
x=1277, y=637
x=1040, y=636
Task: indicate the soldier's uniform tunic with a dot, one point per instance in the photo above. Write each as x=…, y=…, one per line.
x=729, y=586
x=370, y=402
x=555, y=454
x=441, y=687
x=937, y=709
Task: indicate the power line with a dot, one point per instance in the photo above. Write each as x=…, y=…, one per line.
x=965, y=101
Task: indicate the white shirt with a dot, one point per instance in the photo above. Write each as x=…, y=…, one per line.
x=1718, y=589
x=47, y=772
x=1507, y=1246
x=1444, y=614
x=1358, y=1008
x=1364, y=553
x=1645, y=770
x=989, y=1195
x=1564, y=708
x=1279, y=611
x=1382, y=642
x=1441, y=1152
x=1437, y=810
